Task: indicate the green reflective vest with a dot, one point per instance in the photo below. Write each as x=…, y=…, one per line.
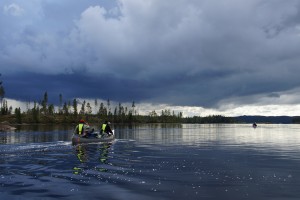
x=80, y=128
x=103, y=127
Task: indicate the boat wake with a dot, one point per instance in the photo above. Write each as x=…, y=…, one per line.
x=10, y=148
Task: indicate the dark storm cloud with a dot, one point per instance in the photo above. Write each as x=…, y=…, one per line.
x=194, y=52
x=31, y=87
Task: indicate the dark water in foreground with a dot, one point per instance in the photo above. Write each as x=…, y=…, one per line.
x=154, y=162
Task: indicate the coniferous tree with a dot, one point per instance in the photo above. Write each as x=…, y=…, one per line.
x=2, y=92
x=60, y=103
x=18, y=115
x=65, y=109
x=133, y=107
x=51, y=109
x=102, y=111
x=82, y=110
x=88, y=109
x=96, y=105
x=108, y=107
x=45, y=103
x=75, y=108
x=69, y=106
x=4, y=108
x=36, y=113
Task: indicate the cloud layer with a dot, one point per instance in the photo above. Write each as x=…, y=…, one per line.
x=187, y=53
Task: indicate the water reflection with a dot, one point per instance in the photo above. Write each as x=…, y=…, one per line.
x=104, y=151
x=43, y=127
x=87, y=153
x=37, y=134
x=154, y=161
x=280, y=136
x=81, y=153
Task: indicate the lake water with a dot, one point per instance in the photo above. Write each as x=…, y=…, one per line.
x=153, y=161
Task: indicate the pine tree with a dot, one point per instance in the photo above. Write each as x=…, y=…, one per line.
x=45, y=103
x=75, y=107
x=88, y=108
x=2, y=92
x=18, y=115
x=60, y=103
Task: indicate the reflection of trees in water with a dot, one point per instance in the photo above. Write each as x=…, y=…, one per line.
x=43, y=127
x=35, y=136
x=38, y=133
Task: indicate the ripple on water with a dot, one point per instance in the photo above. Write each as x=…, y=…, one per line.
x=209, y=162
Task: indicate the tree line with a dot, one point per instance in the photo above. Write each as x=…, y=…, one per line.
x=71, y=111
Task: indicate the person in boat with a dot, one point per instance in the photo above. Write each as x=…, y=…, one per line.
x=105, y=128
x=254, y=125
x=83, y=129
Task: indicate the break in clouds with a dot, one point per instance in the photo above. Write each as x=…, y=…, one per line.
x=207, y=53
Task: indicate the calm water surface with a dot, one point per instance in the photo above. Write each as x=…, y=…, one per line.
x=153, y=162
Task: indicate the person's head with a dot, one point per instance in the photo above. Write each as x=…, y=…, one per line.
x=81, y=121
x=108, y=122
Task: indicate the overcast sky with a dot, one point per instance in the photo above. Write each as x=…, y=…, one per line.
x=231, y=56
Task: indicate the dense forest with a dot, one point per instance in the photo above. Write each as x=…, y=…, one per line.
x=42, y=111
x=72, y=111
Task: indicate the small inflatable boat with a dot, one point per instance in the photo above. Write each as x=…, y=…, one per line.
x=95, y=137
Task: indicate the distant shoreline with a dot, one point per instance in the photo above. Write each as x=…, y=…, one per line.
x=8, y=122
